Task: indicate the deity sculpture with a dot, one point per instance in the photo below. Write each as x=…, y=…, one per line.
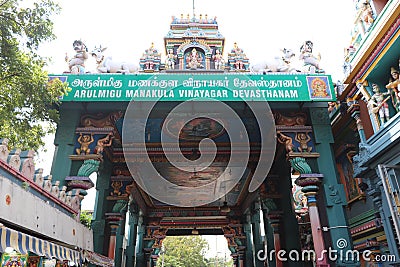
x=85, y=141
x=310, y=61
x=194, y=60
x=394, y=86
x=77, y=63
x=303, y=140
x=102, y=143
x=170, y=61
x=218, y=60
x=286, y=140
x=377, y=103
x=367, y=15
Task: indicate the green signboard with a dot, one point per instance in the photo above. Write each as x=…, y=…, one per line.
x=199, y=87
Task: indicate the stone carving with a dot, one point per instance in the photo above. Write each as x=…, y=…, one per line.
x=278, y=64
x=4, y=149
x=68, y=198
x=47, y=183
x=194, y=60
x=300, y=165
x=85, y=141
x=286, y=140
x=295, y=119
x=108, y=65
x=150, y=60
x=27, y=164
x=394, y=87
x=63, y=195
x=55, y=190
x=303, y=139
x=14, y=159
x=367, y=16
x=310, y=61
x=77, y=63
x=100, y=121
x=39, y=180
x=102, y=143
x=237, y=59
x=170, y=60
x=219, y=61
x=378, y=103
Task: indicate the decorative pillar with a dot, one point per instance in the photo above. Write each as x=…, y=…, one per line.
x=249, y=245
x=310, y=186
x=255, y=222
x=113, y=239
x=100, y=208
x=275, y=221
x=120, y=207
x=336, y=215
x=354, y=110
x=140, y=257
x=132, y=233
x=64, y=143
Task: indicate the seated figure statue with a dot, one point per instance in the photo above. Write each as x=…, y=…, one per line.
x=193, y=60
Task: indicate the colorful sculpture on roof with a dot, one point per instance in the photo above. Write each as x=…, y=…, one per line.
x=310, y=61
x=278, y=64
x=150, y=60
x=237, y=59
x=108, y=65
x=77, y=63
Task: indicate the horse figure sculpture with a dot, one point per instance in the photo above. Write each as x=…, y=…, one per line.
x=278, y=64
x=77, y=63
x=107, y=65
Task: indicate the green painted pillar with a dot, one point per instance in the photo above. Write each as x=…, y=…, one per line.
x=334, y=196
x=101, y=207
x=269, y=236
x=132, y=228
x=64, y=143
x=256, y=230
x=140, y=256
x=249, y=259
x=119, y=249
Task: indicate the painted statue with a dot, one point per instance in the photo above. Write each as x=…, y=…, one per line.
x=367, y=15
x=278, y=64
x=310, y=61
x=194, y=60
x=108, y=65
x=84, y=141
x=170, y=61
x=394, y=87
x=102, y=143
x=378, y=103
x=77, y=63
x=218, y=60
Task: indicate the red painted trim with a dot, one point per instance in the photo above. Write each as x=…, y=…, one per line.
x=17, y=174
x=378, y=49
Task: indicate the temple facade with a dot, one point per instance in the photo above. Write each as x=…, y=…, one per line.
x=192, y=140
x=366, y=130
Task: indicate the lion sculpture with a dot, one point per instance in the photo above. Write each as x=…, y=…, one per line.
x=278, y=64
x=108, y=65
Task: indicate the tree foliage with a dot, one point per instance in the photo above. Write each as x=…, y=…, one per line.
x=184, y=251
x=26, y=98
x=86, y=218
